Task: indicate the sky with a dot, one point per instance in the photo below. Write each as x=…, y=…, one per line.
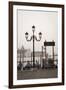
x=45, y=22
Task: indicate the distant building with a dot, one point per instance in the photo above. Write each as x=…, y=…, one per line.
x=25, y=55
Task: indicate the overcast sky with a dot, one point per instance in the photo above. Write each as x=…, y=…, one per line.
x=44, y=21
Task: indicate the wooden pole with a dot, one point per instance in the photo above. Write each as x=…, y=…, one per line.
x=45, y=51
x=53, y=52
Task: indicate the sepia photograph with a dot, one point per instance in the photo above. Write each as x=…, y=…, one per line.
x=36, y=44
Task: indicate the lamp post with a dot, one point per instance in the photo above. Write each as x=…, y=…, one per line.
x=33, y=37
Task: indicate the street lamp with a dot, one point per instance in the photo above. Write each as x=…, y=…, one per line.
x=33, y=37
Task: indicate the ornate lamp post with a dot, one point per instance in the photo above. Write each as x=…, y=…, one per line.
x=33, y=37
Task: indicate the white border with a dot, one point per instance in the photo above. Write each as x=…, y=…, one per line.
x=36, y=81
